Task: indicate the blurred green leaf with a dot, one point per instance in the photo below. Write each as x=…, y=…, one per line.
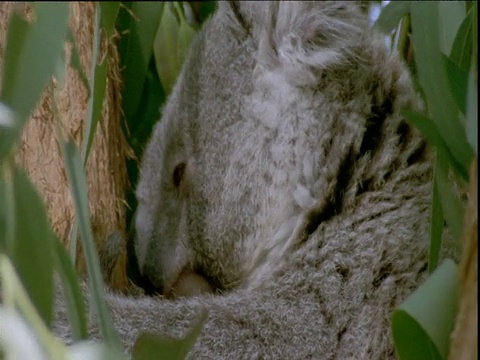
x=28, y=239
x=59, y=73
x=430, y=132
x=472, y=110
x=422, y=325
x=73, y=295
x=152, y=96
x=108, y=15
x=436, y=229
x=95, y=106
x=450, y=16
x=451, y=204
x=15, y=297
x=136, y=48
x=98, y=78
x=149, y=346
x=18, y=340
x=185, y=37
x=78, y=187
x=204, y=9
x=434, y=81
x=165, y=48
x=457, y=79
x=31, y=56
x=391, y=15
x=76, y=63
x=94, y=351
x=462, y=45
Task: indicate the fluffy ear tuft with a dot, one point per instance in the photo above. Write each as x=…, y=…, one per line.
x=301, y=38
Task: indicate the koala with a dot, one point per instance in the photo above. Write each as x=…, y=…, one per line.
x=281, y=191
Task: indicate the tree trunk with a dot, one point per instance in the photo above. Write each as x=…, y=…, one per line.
x=39, y=151
x=464, y=345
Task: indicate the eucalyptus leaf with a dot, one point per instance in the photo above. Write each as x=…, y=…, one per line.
x=76, y=63
x=205, y=9
x=18, y=340
x=434, y=81
x=139, y=25
x=94, y=351
x=451, y=204
x=30, y=241
x=472, y=109
x=422, y=324
x=457, y=79
x=436, y=227
x=16, y=297
x=96, y=105
x=108, y=15
x=31, y=56
x=450, y=15
x=98, y=78
x=73, y=295
x=185, y=36
x=165, y=48
x=391, y=15
x=462, y=45
x=78, y=187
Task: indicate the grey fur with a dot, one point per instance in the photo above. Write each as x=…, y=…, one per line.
x=303, y=198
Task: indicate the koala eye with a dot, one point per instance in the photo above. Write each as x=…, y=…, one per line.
x=178, y=173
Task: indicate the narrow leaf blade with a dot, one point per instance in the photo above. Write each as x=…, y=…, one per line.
x=421, y=326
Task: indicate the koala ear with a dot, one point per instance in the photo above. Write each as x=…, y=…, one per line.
x=298, y=38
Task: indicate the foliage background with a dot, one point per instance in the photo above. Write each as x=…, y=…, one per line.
x=438, y=40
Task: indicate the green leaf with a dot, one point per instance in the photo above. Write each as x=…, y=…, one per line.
x=472, y=109
x=205, y=9
x=185, y=37
x=60, y=70
x=142, y=124
x=450, y=16
x=391, y=15
x=28, y=240
x=76, y=63
x=94, y=108
x=78, y=187
x=462, y=45
x=31, y=56
x=434, y=81
x=430, y=132
x=108, y=15
x=457, y=79
x=95, y=351
x=135, y=48
x=149, y=346
x=31, y=332
x=451, y=204
x=422, y=325
x=18, y=340
x=165, y=49
x=436, y=229
x=98, y=76
x=73, y=295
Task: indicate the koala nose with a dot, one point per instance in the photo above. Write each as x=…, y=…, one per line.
x=151, y=280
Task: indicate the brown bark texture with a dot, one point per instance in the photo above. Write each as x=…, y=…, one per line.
x=39, y=151
x=464, y=343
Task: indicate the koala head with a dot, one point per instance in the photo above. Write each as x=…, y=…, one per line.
x=218, y=175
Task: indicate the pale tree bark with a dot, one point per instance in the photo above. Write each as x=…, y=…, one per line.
x=464, y=344
x=39, y=151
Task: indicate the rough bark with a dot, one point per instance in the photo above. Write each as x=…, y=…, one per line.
x=464, y=345
x=39, y=151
